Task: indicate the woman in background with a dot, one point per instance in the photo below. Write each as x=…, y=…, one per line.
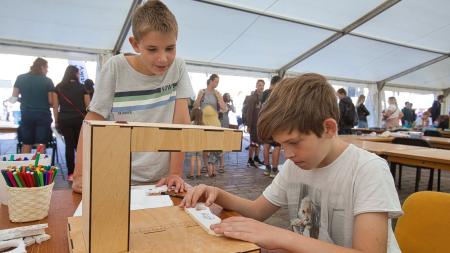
x=392, y=114
x=362, y=112
x=69, y=108
x=35, y=90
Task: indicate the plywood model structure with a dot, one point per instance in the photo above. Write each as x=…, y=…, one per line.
x=105, y=225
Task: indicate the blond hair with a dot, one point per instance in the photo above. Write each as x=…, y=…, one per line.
x=153, y=16
x=392, y=100
x=301, y=103
x=361, y=100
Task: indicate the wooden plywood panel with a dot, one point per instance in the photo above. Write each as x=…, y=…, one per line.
x=232, y=141
x=156, y=139
x=87, y=142
x=213, y=140
x=110, y=189
x=144, y=139
x=192, y=140
x=169, y=229
x=147, y=139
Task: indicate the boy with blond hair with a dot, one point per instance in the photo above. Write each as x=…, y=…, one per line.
x=152, y=86
x=340, y=197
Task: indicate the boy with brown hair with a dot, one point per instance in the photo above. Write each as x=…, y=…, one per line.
x=340, y=197
x=152, y=86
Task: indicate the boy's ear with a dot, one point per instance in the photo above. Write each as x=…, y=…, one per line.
x=330, y=127
x=134, y=43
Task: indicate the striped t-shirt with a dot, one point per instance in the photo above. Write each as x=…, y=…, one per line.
x=124, y=94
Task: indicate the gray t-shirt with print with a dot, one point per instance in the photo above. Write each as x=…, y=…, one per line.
x=323, y=202
x=124, y=94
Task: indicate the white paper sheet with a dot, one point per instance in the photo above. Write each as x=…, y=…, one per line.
x=141, y=199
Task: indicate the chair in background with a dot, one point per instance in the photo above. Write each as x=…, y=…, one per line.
x=52, y=143
x=419, y=143
x=424, y=226
x=433, y=133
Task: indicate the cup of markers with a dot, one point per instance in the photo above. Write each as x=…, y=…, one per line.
x=29, y=191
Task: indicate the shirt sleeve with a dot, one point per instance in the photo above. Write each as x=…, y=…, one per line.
x=375, y=190
x=184, y=87
x=102, y=101
x=18, y=83
x=50, y=86
x=276, y=192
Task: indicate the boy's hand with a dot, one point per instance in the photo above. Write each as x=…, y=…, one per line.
x=201, y=192
x=250, y=230
x=173, y=180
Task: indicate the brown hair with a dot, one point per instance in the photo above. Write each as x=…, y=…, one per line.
x=197, y=116
x=342, y=91
x=301, y=103
x=211, y=78
x=36, y=68
x=153, y=16
x=361, y=99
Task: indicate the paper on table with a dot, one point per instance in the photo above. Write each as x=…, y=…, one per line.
x=140, y=199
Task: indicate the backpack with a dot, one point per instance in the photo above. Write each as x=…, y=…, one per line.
x=350, y=116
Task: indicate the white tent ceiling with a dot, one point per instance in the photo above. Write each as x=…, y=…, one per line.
x=404, y=43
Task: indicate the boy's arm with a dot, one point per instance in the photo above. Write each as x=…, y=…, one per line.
x=180, y=116
x=369, y=235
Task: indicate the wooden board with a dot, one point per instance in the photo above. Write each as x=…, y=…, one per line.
x=109, y=179
x=184, y=139
x=167, y=229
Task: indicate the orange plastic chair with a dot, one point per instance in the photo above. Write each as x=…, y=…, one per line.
x=425, y=225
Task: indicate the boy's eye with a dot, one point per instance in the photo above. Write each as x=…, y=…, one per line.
x=151, y=49
x=169, y=49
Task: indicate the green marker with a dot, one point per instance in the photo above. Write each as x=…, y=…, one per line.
x=17, y=179
x=37, y=160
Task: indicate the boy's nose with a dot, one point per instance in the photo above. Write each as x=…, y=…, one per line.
x=288, y=154
x=162, y=58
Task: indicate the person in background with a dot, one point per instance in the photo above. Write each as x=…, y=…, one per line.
x=254, y=105
x=211, y=118
x=196, y=160
x=347, y=111
x=212, y=97
x=271, y=169
x=362, y=112
x=424, y=121
x=409, y=116
x=36, y=91
x=89, y=86
x=70, y=101
x=225, y=122
x=392, y=114
x=436, y=108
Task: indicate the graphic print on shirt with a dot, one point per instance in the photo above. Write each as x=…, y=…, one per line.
x=127, y=102
x=307, y=222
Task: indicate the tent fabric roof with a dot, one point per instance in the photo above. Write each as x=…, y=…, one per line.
x=403, y=43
